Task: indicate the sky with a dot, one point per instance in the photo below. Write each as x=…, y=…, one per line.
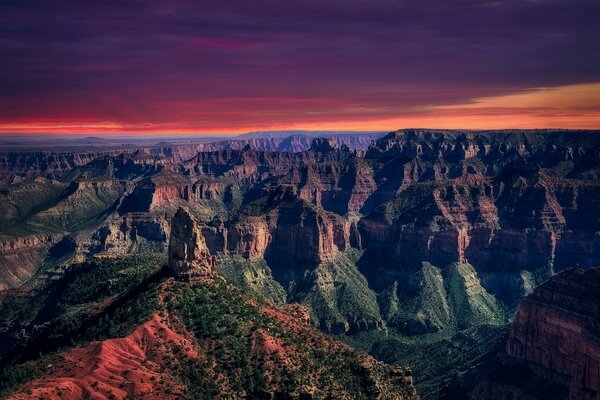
x=235, y=66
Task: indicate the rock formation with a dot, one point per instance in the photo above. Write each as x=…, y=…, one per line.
x=516, y=205
x=189, y=258
x=558, y=328
x=171, y=340
x=426, y=231
x=516, y=230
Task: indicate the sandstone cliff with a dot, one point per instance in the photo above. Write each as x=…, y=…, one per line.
x=189, y=258
x=558, y=328
x=516, y=205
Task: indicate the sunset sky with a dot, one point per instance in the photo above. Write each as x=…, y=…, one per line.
x=237, y=66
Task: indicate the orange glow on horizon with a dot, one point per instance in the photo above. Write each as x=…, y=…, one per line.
x=572, y=106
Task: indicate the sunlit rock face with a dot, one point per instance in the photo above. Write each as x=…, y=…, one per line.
x=189, y=258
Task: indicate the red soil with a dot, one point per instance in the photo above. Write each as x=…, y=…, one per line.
x=135, y=366
x=266, y=344
x=293, y=316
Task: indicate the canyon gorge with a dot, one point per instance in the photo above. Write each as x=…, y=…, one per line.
x=398, y=244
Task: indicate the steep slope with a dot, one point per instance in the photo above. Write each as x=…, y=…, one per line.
x=479, y=183
x=21, y=258
x=516, y=229
x=306, y=250
x=117, y=368
x=558, y=328
x=551, y=350
x=420, y=304
x=339, y=298
x=433, y=300
x=427, y=238
x=82, y=205
x=234, y=349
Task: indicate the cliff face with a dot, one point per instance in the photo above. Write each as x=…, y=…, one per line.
x=20, y=258
x=510, y=227
x=282, y=228
x=428, y=231
x=558, y=328
x=130, y=233
x=120, y=163
x=516, y=205
x=189, y=258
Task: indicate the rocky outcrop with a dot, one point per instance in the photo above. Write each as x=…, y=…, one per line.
x=288, y=232
x=130, y=233
x=516, y=205
x=558, y=328
x=443, y=152
x=210, y=340
x=165, y=189
x=324, y=145
x=189, y=258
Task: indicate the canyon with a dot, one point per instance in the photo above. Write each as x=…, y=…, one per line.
x=420, y=234
x=201, y=337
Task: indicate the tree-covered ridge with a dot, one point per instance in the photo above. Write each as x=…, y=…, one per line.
x=243, y=345
x=259, y=350
x=93, y=300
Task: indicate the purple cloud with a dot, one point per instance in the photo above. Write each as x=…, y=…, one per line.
x=179, y=62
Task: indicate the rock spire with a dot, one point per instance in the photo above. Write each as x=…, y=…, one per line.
x=189, y=257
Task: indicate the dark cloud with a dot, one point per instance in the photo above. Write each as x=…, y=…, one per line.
x=183, y=61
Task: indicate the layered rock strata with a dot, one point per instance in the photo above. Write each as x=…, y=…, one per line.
x=189, y=258
x=558, y=328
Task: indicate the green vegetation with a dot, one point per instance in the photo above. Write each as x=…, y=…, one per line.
x=48, y=206
x=413, y=197
x=80, y=206
x=442, y=323
x=339, y=295
x=436, y=359
x=22, y=201
x=471, y=303
x=427, y=307
x=94, y=300
x=433, y=300
x=561, y=170
x=253, y=275
x=244, y=349
x=226, y=324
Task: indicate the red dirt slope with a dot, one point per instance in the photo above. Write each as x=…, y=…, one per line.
x=116, y=368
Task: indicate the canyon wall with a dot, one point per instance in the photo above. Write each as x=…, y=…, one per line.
x=558, y=328
x=517, y=206
x=20, y=258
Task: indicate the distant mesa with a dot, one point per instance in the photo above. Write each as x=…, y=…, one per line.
x=288, y=133
x=189, y=257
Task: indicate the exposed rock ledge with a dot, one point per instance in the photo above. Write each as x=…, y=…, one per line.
x=558, y=328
